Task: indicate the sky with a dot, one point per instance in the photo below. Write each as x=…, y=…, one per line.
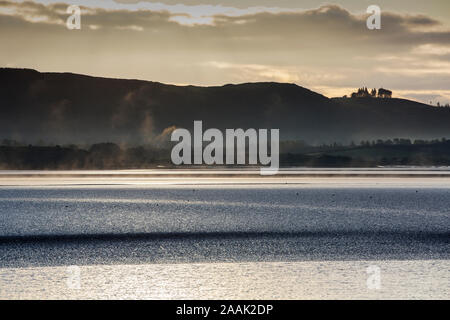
x=323, y=46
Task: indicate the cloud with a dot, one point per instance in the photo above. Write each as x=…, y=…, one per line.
x=432, y=49
x=327, y=46
x=255, y=72
x=427, y=96
x=286, y=74
x=35, y=12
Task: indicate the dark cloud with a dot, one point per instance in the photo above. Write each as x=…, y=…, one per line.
x=330, y=23
x=328, y=43
x=421, y=20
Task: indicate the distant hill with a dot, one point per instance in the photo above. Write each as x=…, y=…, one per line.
x=387, y=118
x=72, y=108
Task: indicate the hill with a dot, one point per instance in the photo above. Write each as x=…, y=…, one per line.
x=72, y=108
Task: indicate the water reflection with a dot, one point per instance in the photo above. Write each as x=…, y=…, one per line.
x=419, y=279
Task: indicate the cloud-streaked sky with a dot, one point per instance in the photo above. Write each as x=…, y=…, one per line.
x=322, y=46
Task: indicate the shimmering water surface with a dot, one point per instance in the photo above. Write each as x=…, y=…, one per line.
x=417, y=279
x=287, y=238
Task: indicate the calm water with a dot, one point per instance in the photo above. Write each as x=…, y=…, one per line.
x=268, y=240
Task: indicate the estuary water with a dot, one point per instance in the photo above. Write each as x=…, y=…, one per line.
x=296, y=237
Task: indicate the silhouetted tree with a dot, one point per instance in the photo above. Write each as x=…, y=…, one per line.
x=383, y=93
x=373, y=93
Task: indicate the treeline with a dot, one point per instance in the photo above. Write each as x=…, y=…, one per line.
x=365, y=93
x=98, y=156
x=287, y=144
x=303, y=147
x=374, y=156
x=15, y=156
x=387, y=142
x=447, y=105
